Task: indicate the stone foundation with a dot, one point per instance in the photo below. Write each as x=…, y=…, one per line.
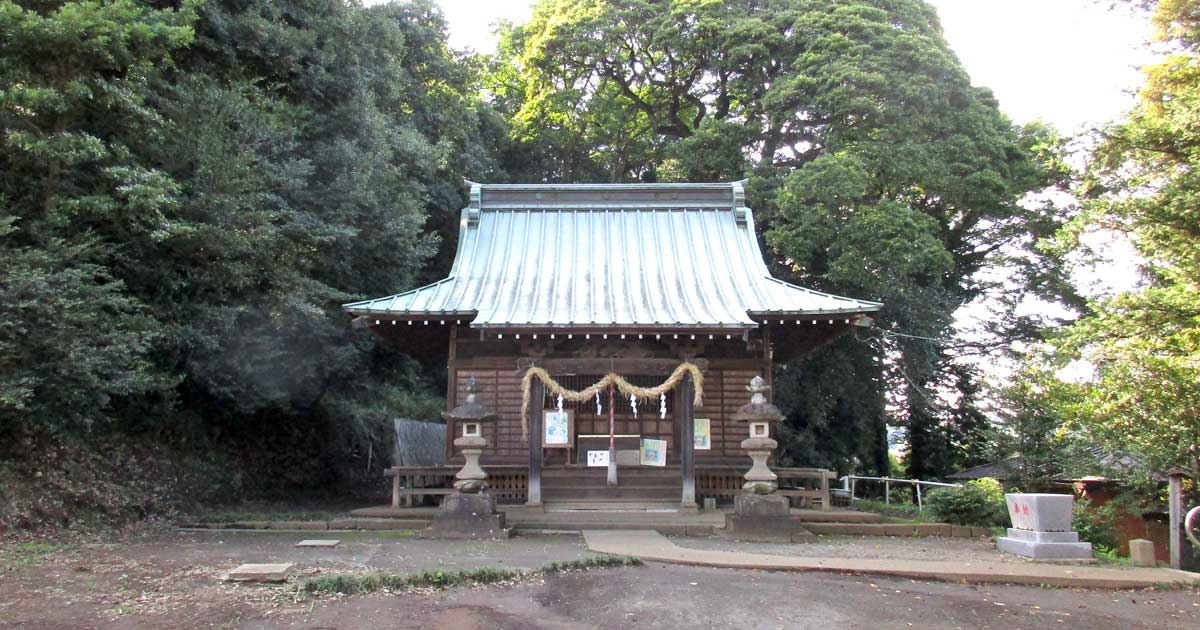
x=764, y=518
x=471, y=516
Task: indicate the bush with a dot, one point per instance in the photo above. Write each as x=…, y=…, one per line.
x=1095, y=525
x=978, y=503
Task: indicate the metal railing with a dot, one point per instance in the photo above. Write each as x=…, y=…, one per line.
x=848, y=483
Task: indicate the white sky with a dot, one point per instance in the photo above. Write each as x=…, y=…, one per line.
x=1071, y=63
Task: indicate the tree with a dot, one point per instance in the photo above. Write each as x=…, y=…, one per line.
x=73, y=99
x=1143, y=396
x=879, y=170
x=189, y=193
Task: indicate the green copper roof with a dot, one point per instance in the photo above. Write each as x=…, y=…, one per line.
x=596, y=256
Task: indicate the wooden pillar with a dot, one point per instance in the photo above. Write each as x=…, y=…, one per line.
x=395, y=489
x=825, y=500
x=687, y=442
x=537, y=397
x=451, y=390
x=1175, y=507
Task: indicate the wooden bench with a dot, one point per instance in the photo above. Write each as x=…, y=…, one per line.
x=410, y=476
x=810, y=497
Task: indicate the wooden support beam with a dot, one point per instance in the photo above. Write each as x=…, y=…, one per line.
x=687, y=443
x=1175, y=511
x=537, y=395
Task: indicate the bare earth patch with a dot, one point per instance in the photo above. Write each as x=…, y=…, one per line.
x=173, y=580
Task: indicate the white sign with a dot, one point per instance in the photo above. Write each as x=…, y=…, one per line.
x=558, y=431
x=597, y=458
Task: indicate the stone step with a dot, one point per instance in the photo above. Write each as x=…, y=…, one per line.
x=670, y=504
x=611, y=494
x=623, y=472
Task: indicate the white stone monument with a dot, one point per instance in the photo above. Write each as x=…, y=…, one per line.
x=1042, y=528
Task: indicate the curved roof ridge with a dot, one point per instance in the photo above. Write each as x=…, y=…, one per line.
x=703, y=269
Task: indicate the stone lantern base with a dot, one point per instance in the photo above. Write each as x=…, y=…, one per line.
x=470, y=516
x=764, y=518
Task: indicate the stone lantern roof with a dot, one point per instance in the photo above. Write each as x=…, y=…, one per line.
x=758, y=409
x=471, y=410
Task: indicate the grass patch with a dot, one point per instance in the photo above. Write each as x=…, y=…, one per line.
x=25, y=554
x=351, y=584
x=904, y=511
x=378, y=533
x=591, y=562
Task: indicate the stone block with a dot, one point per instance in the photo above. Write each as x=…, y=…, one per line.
x=1141, y=552
x=960, y=531
x=710, y=504
x=467, y=516
x=319, y=544
x=260, y=573
x=1040, y=512
x=1045, y=550
x=761, y=528
x=748, y=504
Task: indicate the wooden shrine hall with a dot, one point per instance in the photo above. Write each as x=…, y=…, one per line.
x=555, y=287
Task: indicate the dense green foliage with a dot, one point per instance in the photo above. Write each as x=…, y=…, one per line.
x=879, y=171
x=978, y=503
x=1134, y=389
x=190, y=189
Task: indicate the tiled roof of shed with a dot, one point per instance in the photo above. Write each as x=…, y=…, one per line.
x=593, y=256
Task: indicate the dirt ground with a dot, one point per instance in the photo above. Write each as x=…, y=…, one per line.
x=172, y=580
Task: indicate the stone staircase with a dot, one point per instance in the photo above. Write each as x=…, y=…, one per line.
x=638, y=489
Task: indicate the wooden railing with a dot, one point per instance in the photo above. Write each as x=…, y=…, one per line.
x=509, y=483
x=848, y=484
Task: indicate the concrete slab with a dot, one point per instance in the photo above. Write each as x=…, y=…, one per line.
x=320, y=544
x=649, y=545
x=260, y=573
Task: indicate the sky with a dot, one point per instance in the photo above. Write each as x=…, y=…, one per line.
x=1072, y=63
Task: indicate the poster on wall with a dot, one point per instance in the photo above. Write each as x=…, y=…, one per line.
x=597, y=458
x=702, y=434
x=654, y=452
x=559, y=427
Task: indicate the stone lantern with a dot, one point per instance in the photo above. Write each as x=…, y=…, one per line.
x=759, y=415
x=759, y=514
x=471, y=511
x=471, y=415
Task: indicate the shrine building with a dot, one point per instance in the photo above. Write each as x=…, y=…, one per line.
x=588, y=280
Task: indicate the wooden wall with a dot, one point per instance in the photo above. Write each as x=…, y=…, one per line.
x=499, y=379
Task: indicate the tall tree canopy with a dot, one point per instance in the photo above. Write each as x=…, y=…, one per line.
x=881, y=173
x=189, y=191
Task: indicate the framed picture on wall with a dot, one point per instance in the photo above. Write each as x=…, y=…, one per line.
x=702, y=434
x=558, y=428
x=654, y=452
